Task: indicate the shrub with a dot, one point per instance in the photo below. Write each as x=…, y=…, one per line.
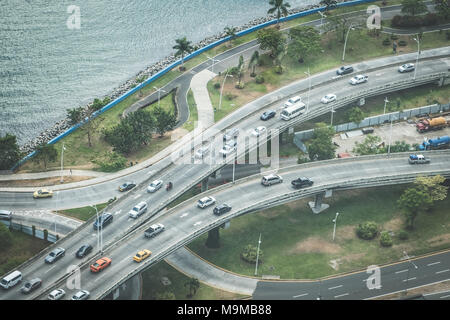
x=229, y=96
x=403, y=235
x=278, y=69
x=430, y=19
x=396, y=21
x=259, y=79
x=302, y=159
x=394, y=37
x=367, y=230
x=233, y=71
x=111, y=162
x=252, y=74
x=385, y=239
x=217, y=85
x=402, y=43
x=386, y=42
x=249, y=254
x=239, y=85
x=447, y=34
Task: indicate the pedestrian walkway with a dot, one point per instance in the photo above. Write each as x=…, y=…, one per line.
x=201, y=95
x=51, y=174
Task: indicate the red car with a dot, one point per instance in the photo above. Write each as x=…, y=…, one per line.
x=100, y=264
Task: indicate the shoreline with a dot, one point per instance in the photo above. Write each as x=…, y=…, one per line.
x=64, y=124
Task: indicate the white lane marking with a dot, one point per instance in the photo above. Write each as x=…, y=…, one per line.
x=341, y=295
x=335, y=287
x=401, y=271
x=137, y=196
x=184, y=215
x=197, y=223
x=50, y=269
x=300, y=295
x=446, y=270
x=414, y=278
x=432, y=264
x=118, y=212
x=443, y=297
x=94, y=234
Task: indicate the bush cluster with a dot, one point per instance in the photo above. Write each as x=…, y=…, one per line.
x=430, y=19
x=367, y=230
x=385, y=239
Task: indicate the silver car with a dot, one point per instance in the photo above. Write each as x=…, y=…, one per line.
x=56, y=294
x=155, y=186
x=81, y=295
x=55, y=255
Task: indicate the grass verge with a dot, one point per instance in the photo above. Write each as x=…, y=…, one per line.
x=83, y=213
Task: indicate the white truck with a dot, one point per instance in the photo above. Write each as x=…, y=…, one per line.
x=417, y=159
x=154, y=230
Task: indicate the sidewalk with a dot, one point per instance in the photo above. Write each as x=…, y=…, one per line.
x=50, y=174
x=201, y=95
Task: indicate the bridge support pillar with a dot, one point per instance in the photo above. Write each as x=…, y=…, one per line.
x=205, y=184
x=317, y=206
x=213, y=240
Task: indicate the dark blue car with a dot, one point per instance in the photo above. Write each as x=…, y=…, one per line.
x=103, y=221
x=268, y=114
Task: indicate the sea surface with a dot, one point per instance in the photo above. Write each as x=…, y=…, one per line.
x=47, y=67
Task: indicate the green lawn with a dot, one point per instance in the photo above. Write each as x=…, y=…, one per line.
x=152, y=285
x=298, y=244
x=193, y=114
x=83, y=213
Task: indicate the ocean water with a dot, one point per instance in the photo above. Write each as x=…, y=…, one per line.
x=46, y=67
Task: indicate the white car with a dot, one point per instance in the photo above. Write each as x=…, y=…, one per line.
x=292, y=101
x=228, y=148
x=406, y=67
x=328, y=98
x=155, y=186
x=205, y=202
x=81, y=295
x=258, y=131
x=201, y=152
x=359, y=79
x=56, y=294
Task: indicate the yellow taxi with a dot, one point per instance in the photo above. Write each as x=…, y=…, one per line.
x=141, y=255
x=42, y=193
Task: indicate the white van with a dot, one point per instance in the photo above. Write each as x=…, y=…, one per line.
x=11, y=280
x=138, y=210
x=293, y=111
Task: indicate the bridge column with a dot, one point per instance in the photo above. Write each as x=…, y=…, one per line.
x=317, y=206
x=205, y=184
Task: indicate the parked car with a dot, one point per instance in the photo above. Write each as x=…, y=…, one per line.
x=127, y=186
x=55, y=255
x=31, y=285
x=205, y=202
x=258, y=131
x=268, y=115
x=292, y=101
x=101, y=264
x=142, y=255
x=328, y=98
x=302, y=182
x=81, y=295
x=155, y=186
x=231, y=134
x=344, y=70
x=138, y=210
x=42, y=193
x=56, y=294
x=358, y=79
x=102, y=221
x=84, y=251
x=407, y=67
x=271, y=179
x=221, y=209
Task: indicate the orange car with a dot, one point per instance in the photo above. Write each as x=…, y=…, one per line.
x=100, y=264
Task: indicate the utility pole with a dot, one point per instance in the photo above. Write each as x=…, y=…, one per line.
x=257, y=255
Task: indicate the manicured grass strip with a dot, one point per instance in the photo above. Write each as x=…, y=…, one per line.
x=83, y=213
x=193, y=112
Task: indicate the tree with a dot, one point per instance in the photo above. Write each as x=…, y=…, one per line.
x=398, y=146
x=183, y=46
x=433, y=186
x=142, y=124
x=5, y=237
x=9, y=149
x=340, y=24
x=321, y=146
x=442, y=8
x=412, y=201
x=413, y=7
x=193, y=284
x=75, y=115
x=45, y=153
x=304, y=41
x=271, y=39
x=230, y=32
x=165, y=121
x=329, y=4
x=370, y=145
x=254, y=60
x=97, y=104
x=356, y=115
x=91, y=123
x=280, y=7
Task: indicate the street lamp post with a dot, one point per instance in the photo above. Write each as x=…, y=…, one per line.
x=390, y=136
x=98, y=229
x=159, y=93
x=385, y=101
x=309, y=88
x=332, y=111
x=322, y=16
x=257, y=255
x=62, y=162
x=334, y=229
x=418, y=52
x=221, y=89
x=345, y=43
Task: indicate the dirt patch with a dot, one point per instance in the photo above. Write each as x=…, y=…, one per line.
x=438, y=240
x=345, y=232
x=314, y=244
x=42, y=182
x=393, y=224
x=353, y=257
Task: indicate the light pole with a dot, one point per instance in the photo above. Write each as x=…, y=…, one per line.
x=418, y=52
x=322, y=16
x=332, y=111
x=407, y=276
x=385, y=101
x=257, y=255
x=159, y=93
x=390, y=136
x=62, y=161
x=309, y=89
x=213, y=61
x=345, y=43
x=221, y=89
x=98, y=229
x=334, y=229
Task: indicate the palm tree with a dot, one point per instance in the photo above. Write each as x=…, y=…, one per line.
x=329, y=4
x=230, y=32
x=254, y=60
x=183, y=46
x=280, y=7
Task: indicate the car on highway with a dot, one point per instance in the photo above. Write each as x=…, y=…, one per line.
x=101, y=264
x=205, y=202
x=42, y=193
x=102, y=221
x=55, y=255
x=328, y=98
x=138, y=210
x=258, y=131
x=418, y=159
x=202, y=152
x=31, y=285
x=344, y=70
x=221, y=209
x=271, y=179
x=142, y=255
x=268, y=115
x=302, y=182
x=292, y=101
x=358, y=79
x=56, y=294
x=81, y=295
x=407, y=67
x=228, y=148
x=154, y=230
x=127, y=186
x=83, y=251
x=154, y=186
x=231, y=134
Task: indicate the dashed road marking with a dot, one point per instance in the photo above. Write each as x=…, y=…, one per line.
x=197, y=223
x=401, y=271
x=405, y=280
x=442, y=271
x=335, y=287
x=432, y=264
x=341, y=295
x=300, y=295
